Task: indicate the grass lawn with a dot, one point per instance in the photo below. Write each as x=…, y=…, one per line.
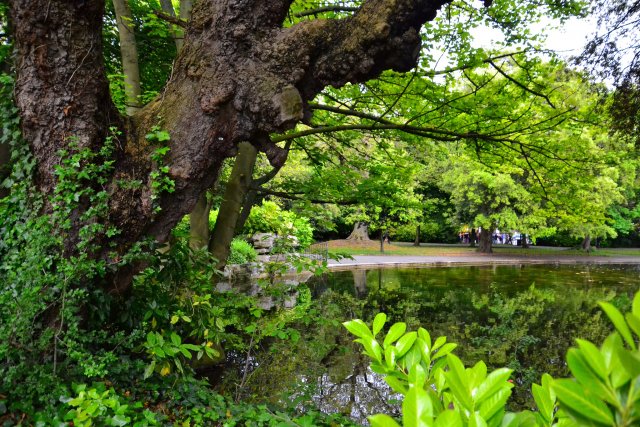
x=399, y=248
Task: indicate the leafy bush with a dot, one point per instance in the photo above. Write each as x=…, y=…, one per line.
x=241, y=252
x=439, y=391
x=271, y=218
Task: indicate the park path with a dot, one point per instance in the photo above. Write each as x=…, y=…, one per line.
x=363, y=261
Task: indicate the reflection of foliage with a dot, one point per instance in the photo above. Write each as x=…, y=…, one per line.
x=527, y=330
x=440, y=391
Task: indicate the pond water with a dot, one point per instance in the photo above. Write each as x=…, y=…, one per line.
x=521, y=316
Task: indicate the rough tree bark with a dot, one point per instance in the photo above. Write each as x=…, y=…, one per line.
x=129, y=52
x=586, y=243
x=239, y=77
x=237, y=187
x=416, y=242
x=485, y=242
x=360, y=232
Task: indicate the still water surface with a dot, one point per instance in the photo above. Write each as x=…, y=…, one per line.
x=521, y=316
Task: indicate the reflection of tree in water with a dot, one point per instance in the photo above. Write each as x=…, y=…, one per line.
x=360, y=394
x=360, y=282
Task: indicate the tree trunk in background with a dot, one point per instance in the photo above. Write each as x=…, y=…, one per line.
x=417, y=241
x=485, y=242
x=240, y=76
x=472, y=238
x=586, y=243
x=176, y=32
x=129, y=52
x=360, y=232
x=250, y=200
x=525, y=243
x=236, y=189
x=199, y=223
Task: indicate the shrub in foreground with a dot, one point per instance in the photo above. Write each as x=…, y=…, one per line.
x=439, y=390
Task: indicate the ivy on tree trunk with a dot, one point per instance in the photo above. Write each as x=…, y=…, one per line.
x=239, y=77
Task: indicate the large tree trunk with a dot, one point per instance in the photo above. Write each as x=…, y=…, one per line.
x=485, y=241
x=586, y=243
x=129, y=52
x=239, y=77
x=416, y=242
x=360, y=232
x=236, y=189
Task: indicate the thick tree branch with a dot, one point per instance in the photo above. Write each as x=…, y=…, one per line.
x=302, y=196
x=172, y=19
x=316, y=11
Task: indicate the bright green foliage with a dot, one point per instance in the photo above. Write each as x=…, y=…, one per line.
x=97, y=406
x=161, y=182
x=604, y=390
x=271, y=218
x=414, y=366
x=241, y=252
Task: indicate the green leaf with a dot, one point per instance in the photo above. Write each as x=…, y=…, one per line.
x=395, y=332
x=390, y=356
x=635, y=307
x=405, y=343
x=120, y=420
x=593, y=356
x=382, y=420
x=609, y=349
x=477, y=374
x=412, y=358
x=378, y=323
x=151, y=338
x=495, y=403
x=494, y=382
x=520, y=419
x=417, y=409
x=372, y=348
x=544, y=402
x=448, y=418
x=424, y=335
x=396, y=385
x=476, y=420
x=630, y=361
x=358, y=328
x=439, y=343
x=444, y=350
x=149, y=369
x=423, y=347
x=585, y=376
x=457, y=382
x=417, y=376
x=619, y=323
x=175, y=339
x=570, y=393
x=634, y=322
